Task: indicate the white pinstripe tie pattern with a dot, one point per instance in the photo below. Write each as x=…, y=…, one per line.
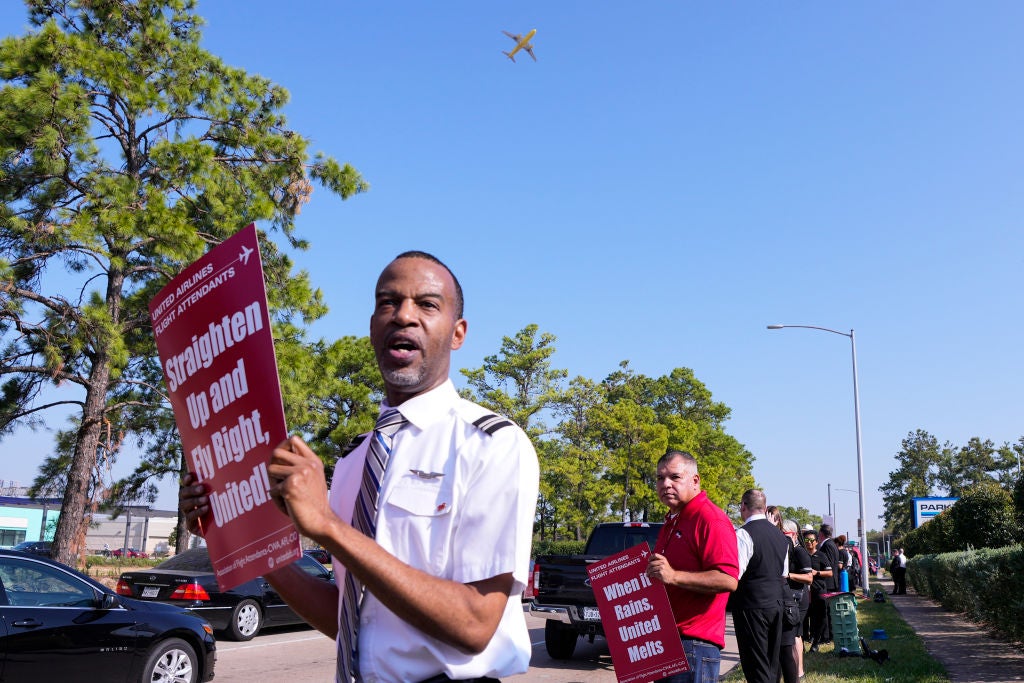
x=364, y=518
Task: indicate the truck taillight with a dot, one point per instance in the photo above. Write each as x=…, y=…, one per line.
x=535, y=577
x=189, y=591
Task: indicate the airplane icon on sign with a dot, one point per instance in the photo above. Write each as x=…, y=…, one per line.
x=244, y=255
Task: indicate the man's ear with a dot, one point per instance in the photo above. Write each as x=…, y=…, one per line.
x=459, y=334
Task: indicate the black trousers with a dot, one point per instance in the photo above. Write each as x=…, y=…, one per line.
x=899, y=580
x=759, y=638
x=818, y=614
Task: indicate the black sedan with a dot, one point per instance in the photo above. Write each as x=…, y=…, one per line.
x=187, y=580
x=35, y=547
x=59, y=625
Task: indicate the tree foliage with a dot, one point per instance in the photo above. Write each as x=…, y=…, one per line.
x=126, y=151
x=920, y=459
x=598, y=460
x=984, y=517
x=519, y=382
x=928, y=468
x=800, y=515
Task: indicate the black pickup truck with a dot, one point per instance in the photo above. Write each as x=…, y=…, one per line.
x=563, y=594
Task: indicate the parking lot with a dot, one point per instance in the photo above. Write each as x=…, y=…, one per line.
x=301, y=655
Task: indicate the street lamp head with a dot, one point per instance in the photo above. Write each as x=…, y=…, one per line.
x=776, y=327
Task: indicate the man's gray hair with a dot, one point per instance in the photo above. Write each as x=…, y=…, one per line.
x=672, y=454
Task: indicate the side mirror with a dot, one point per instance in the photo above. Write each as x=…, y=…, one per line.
x=109, y=601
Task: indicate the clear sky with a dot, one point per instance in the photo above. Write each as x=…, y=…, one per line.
x=668, y=179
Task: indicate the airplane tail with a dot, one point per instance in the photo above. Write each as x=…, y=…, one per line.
x=509, y=55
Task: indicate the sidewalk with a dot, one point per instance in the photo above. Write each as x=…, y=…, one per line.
x=969, y=654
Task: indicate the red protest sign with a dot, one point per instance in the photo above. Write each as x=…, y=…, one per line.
x=216, y=349
x=637, y=618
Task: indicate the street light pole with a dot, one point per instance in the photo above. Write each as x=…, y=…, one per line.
x=863, y=521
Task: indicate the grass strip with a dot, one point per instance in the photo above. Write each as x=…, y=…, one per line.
x=908, y=661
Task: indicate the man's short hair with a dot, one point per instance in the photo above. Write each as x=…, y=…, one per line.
x=825, y=530
x=790, y=526
x=754, y=500
x=459, y=300
x=672, y=454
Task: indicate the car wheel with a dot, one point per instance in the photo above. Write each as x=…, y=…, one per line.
x=171, y=661
x=246, y=620
x=559, y=640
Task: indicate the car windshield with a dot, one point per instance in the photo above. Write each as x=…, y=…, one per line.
x=32, y=545
x=197, y=560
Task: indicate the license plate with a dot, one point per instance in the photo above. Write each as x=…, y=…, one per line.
x=150, y=591
x=591, y=614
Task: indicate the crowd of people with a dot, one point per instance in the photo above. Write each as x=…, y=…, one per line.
x=771, y=575
x=429, y=522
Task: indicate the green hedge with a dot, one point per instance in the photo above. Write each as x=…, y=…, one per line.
x=987, y=585
x=558, y=547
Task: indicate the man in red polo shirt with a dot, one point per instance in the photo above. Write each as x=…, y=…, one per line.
x=696, y=558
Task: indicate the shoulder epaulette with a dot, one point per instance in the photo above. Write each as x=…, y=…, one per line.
x=491, y=423
x=352, y=445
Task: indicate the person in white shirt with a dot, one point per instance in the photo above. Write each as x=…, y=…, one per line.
x=443, y=573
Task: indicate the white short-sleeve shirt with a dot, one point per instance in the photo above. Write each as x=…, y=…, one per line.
x=457, y=501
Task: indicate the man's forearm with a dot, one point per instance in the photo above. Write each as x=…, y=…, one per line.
x=464, y=616
x=313, y=599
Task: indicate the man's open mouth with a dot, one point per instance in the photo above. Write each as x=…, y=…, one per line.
x=401, y=349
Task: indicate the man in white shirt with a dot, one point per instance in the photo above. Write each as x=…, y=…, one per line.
x=757, y=602
x=443, y=573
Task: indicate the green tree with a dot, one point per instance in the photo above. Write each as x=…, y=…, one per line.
x=334, y=390
x=635, y=440
x=695, y=423
x=519, y=382
x=575, y=490
x=969, y=465
x=919, y=458
x=1008, y=462
x=800, y=515
x=126, y=150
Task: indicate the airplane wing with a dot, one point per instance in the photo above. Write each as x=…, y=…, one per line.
x=513, y=36
x=529, y=51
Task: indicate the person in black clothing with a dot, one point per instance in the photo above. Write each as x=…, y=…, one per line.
x=828, y=548
x=791, y=656
x=821, y=573
x=756, y=604
x=898, y=569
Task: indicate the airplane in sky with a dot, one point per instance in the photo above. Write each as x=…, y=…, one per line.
x=522, y=43
x=243, y=256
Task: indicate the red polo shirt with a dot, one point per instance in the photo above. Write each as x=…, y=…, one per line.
x=699, y=538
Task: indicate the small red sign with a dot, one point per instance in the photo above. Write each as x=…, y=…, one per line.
x=637, y=618
x=216, y=349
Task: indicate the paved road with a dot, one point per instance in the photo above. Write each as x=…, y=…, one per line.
x=301, y=655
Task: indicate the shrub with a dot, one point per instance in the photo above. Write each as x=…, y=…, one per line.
x=985, y=584
x=982, y=518
x=558, y=547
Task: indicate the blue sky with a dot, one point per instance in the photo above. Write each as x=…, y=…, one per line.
x=670, y=178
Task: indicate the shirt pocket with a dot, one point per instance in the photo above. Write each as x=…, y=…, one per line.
x=419, y=522
x=422, y=497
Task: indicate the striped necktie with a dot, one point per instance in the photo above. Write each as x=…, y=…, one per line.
x=364, y=518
